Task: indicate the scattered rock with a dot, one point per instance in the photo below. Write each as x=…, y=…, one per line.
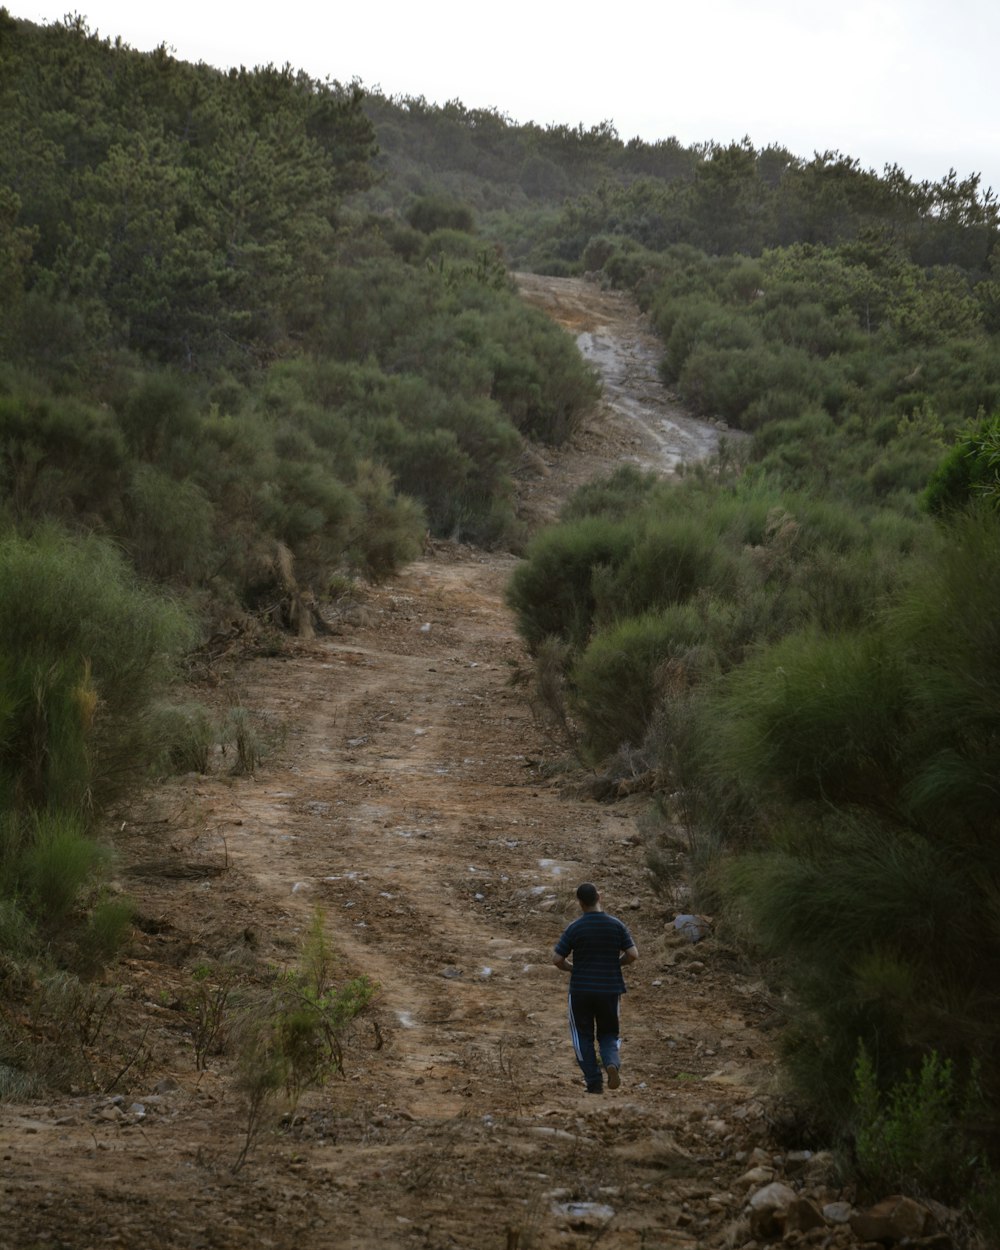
x=694, y=928
x=891, y=1220
x=755, y=1176
x=796, y=1160
x=583, y=1215
x=166, y=1086
x=658, y=1150
x=803, y=1216
x=837, y=1212
x=820, y=1170
x=768, y=1208
x=560, y=1134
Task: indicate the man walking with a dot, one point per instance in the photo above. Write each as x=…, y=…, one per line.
x=600, y=945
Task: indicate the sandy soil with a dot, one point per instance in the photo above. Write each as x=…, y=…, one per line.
x=417, y=802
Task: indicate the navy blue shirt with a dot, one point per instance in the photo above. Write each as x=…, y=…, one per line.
x=595, y=940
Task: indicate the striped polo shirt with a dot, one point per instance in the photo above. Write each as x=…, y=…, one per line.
x=595, y=940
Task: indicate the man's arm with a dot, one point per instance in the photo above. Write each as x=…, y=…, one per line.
x=630, y=956
x=560, y=962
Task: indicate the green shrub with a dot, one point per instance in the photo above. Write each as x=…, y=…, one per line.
x=57, y=861
x=970, y=469
x=539, y=378
x=429, y=213
x=291, y=1040
x=60, y=458
x=817, y=718
x=83, y=651
x=186, y=734
x=724, y=381
x=159, y=418
x=312, y=513
x=552, y=591
x=916, y=1139
x=616, y=496
x=19, y=937
x=170, y=527
x=669, y=562
x=679, y=323
x=455, y=244
x=866, y=920
x=107, y=929
x=47, y=707
x=946, y=622
x=389, y=529
x=619, y=680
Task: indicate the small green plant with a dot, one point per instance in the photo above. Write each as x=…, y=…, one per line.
x=108, y=926
x=292, y=1040
x=55, y=863
x=915, y=1137
x=249, y=737
x=213, y=989
x=187, y=734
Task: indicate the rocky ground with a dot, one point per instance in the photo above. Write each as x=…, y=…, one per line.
x=410, y=795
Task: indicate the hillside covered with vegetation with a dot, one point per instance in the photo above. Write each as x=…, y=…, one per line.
x=258, y=336
x=221, y=390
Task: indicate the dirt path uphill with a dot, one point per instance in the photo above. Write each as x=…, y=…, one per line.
x=649, y=427
x=417, y=803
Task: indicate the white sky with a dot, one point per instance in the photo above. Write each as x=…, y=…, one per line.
x=911, y=82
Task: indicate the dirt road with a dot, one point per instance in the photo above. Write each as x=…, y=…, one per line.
x=414, y=799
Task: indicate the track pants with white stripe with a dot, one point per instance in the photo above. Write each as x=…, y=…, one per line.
x=593, y=1014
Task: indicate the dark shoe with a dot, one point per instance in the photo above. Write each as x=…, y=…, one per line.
x=599, y=1089
x=614, y=1077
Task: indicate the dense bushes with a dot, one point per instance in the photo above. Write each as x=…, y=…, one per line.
x=970, y=470
x=619, y=681
x=819, y=694
x=553, y=591
x=882, y=361
x=215, y=377
x=202, y=480
x=207, y=353
x=748, y=566
x=875, y=869
x=84, y=651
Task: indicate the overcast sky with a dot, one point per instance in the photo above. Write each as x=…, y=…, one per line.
x=911, y=82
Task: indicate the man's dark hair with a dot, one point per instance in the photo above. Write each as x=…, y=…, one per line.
x=587, y=894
